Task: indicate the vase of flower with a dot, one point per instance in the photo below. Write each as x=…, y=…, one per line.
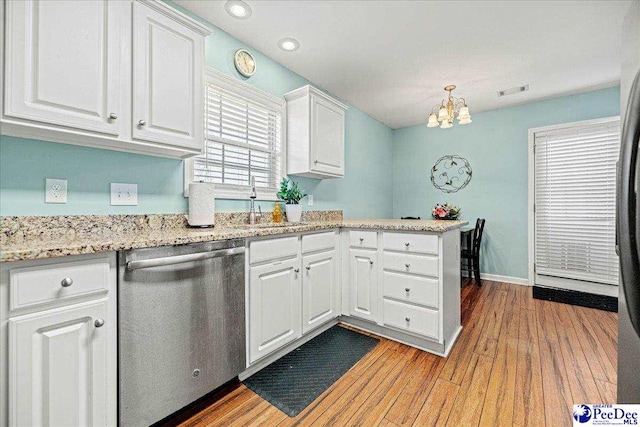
x=445, y=211
x=291, y=194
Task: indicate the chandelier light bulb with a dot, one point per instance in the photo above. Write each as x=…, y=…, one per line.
x=433, y=121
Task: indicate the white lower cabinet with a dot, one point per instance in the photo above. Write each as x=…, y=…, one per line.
x=292, y=289
x=318, y=289
x=59, y=350
x=363, y=284
x=274, y=306
x=58, y=367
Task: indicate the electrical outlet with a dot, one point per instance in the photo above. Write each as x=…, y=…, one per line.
x=124, y=194
x=55, y=191
x=310, y=200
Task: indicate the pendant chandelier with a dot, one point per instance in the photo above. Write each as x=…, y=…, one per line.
x=447, y=111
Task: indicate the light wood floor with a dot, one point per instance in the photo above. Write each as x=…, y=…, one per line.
x=518, y=362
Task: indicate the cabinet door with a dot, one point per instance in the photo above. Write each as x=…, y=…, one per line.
x=363, y=284
x=318, y=289
x=274, y=306
x=327, y=137
x=167, y=80
x=63, y=62
x=60, y=367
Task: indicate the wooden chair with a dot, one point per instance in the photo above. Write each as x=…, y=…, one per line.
x=471, y=253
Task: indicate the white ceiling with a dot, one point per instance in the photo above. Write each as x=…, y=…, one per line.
x=392, y=59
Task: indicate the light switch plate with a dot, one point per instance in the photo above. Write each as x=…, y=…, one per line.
x=55, y=191
x=310, y=200
x=124, y=194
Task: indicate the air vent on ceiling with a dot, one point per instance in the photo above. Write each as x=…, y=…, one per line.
x=513, y=90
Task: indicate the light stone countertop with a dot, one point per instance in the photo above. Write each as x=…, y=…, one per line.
x=19, y=246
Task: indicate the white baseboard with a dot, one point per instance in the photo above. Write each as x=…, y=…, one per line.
x=499, y=278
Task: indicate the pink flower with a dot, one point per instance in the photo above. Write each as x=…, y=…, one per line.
x=440, y=212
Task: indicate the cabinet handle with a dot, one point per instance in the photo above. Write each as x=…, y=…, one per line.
x=66, y=282
x=315, y=161
x=407, y=244
x=297, y=270
x=408, y=319
x=407, y=265
x=98, y=323
x=142, y=122
x=407, y=290
x=113, y=116
x=308, y=267
x=371, y=261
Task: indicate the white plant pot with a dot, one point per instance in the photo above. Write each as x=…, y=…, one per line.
x=294, y=212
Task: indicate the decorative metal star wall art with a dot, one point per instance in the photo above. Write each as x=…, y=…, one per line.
x=451, y=173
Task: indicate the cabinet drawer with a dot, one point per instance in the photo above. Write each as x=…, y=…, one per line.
x=55, y=282
x=413, y=289
x=411, y=318
x=426, y=265
x=264, y=250
x=421, y=243
x=318, y=242
x=363, y=239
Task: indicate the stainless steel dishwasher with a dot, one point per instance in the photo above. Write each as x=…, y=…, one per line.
x=181, y=326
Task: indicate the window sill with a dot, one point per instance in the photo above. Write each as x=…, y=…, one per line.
x=235, y=193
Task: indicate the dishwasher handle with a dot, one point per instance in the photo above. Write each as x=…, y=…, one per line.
x=180, y=259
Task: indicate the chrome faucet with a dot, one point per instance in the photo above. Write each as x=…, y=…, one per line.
x=253, y=218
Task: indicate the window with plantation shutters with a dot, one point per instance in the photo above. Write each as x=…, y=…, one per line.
x=243, y=139
x=575, y=199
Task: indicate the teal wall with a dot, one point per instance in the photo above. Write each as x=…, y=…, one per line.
x=24, y=164
x=496, y=146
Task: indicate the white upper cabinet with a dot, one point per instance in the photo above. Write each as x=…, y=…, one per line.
x=315, y=134
x=63, y=63
x=123, y=75
x=167, y=79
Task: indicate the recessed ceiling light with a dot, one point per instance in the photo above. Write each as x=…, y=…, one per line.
x=289, y=44
x=238, y=9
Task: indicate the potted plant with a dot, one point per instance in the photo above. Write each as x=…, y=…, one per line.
x=291, y=194
x=445, y=211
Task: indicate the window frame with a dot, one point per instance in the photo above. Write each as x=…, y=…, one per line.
x=228, y=83
x=564, y=283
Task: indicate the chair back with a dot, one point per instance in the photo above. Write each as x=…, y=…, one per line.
x=477, y=235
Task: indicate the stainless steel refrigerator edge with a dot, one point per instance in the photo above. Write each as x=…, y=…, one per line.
x=628, y=179
x=181, y=326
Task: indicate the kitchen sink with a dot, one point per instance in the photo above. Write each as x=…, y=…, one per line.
x=271, y=225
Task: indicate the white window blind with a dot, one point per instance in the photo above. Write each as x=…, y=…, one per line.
x=242, y=139
x=575, y=202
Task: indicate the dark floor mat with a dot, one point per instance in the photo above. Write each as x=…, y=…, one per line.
x=294, y=381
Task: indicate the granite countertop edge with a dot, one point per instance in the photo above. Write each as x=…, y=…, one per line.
x=88, y=243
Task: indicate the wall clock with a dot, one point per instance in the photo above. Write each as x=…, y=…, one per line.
x=244, y=62
x=451, y=173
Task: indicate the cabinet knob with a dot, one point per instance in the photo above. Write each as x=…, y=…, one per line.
x=361, y=239
x=407, y=244
x=308, y=267
x=297, y=270
x=407, y=265
x=142, y=122
x=371, y=261
x=113, y=116
x=98, y=323
x=408, y=319
x=407, y=290
x=66, y=282
x=315, y=161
